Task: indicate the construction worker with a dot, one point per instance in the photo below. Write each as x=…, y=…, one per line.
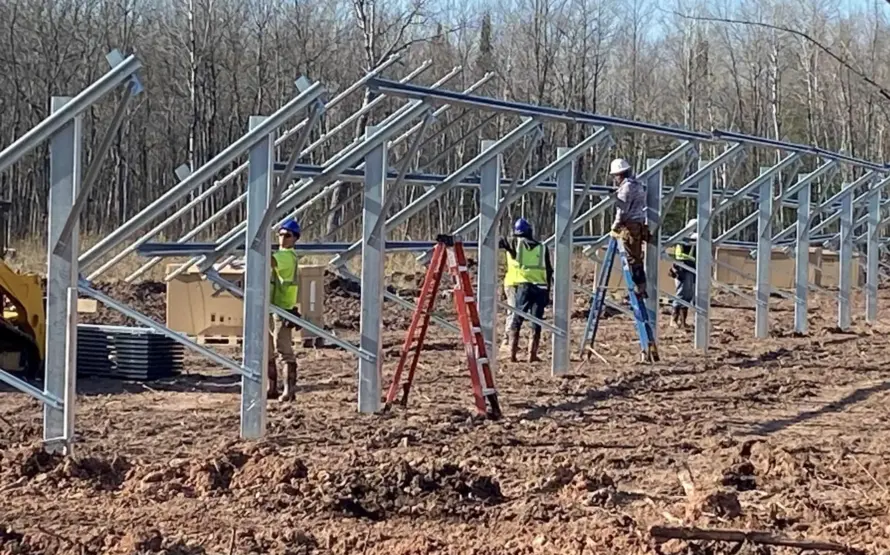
x=285, y=294
x=629, y=225
x=684, y=277
x=530, y=271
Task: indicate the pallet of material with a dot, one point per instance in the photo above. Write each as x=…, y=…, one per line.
x=237, y=341
x=232, y=340
x=127, y=353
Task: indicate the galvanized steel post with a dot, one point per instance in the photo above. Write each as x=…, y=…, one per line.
x=802, y=258
x=703, y=261
x=562, y=266
x=764, y=256
x=256, y=355
x=373, y=257
x=845, y=260
x=487, y=276
x=61, y=338
x=873, y=257
x=653, y=186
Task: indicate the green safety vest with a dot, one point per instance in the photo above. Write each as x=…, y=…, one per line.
x=527, y=267
x=684, y=252
x=285, y=279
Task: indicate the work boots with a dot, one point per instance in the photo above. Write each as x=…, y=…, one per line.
x=533, y=348
x=290, y=382
x=514, y=345
x=675, y=316
x=684, y=312
x=272, y=392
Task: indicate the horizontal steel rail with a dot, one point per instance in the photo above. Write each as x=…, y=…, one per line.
x=573, y=116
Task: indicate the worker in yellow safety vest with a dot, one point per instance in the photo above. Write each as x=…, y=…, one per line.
x=529, y=270
x=285, y=294
x=684, y=277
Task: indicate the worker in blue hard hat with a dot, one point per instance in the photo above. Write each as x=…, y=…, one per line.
x=530, y=271
x=285, y=294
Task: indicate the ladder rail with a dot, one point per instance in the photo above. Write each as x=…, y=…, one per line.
x=449, y=254
x=419, y=320
x=483, y=381
x=648, y=345
x=419, y=344
x=598, y=299
x=640, y=313
x=438, y=267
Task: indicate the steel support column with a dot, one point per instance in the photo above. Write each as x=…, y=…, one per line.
x=802, y=259
x=703, y=256
x=61, y=339
x=562, y=266
x=764, y=256
x=373, y=257
x=845, y=261
x=487, y=276
x=653, y=186
x=256, y=355
x=873, y=258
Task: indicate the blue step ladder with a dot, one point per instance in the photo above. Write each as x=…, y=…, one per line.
x=649, y=349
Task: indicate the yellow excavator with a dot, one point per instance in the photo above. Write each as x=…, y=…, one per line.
x=23, y=326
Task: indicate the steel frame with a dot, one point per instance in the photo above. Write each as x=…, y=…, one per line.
x=777, y=190
x=67, y=197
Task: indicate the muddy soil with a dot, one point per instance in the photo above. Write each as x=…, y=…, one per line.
x=786, y=435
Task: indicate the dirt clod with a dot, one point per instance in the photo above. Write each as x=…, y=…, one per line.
x=783, y=434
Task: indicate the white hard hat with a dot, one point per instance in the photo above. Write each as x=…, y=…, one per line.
x=693, y=221
x=619, y=165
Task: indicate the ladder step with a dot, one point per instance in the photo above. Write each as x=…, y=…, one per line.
x=482, y=360
x=476, y=329
x=469, y=300
x=488, y=391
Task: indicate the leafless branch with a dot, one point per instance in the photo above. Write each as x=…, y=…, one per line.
x=881, y=90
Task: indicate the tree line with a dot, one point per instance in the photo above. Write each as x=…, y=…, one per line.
x=806, y=71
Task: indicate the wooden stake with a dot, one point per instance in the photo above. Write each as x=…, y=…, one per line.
x=682, y=533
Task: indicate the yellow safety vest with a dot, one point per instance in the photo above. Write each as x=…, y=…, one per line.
x=680, y=254
x=285, y=279
x=527, y=267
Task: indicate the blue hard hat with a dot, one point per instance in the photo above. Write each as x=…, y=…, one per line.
x=521, y=227
x=291, y=225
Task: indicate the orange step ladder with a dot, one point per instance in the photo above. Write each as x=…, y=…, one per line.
x=448, y=250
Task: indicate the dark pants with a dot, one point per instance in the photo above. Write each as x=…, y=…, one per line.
x=685, y=282
x=532, y=299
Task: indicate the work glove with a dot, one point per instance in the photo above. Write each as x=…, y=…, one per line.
x=291, y=325
x=502, y=243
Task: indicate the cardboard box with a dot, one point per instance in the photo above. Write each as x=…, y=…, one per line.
x=736, y=266
x=199, y=307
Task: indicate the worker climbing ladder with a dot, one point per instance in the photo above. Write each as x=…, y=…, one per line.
x=649, y=349
x=450, y=251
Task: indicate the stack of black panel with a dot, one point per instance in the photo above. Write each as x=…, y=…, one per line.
x=126, y=353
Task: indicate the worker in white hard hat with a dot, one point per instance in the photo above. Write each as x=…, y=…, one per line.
x=630, y=220
x=684, y=276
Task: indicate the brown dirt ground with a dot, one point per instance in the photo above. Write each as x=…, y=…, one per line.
x=786, y=434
